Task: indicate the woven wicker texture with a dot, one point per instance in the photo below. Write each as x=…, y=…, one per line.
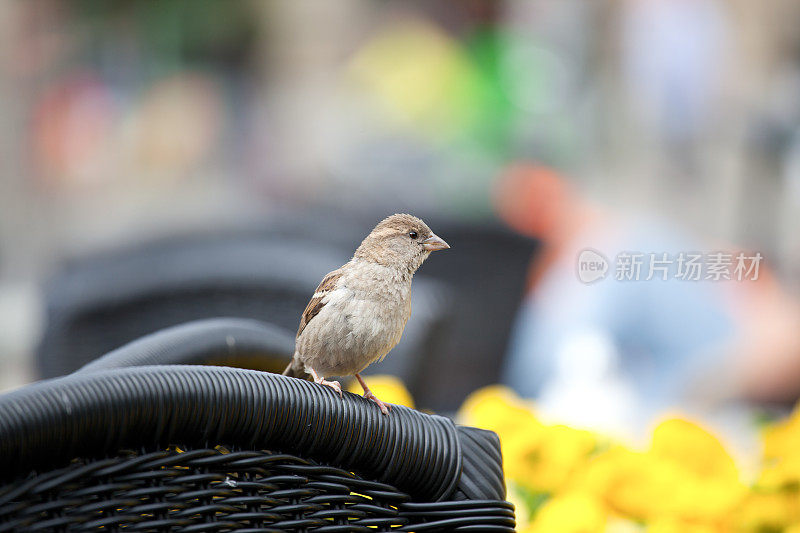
x=224, y=449
x=222, y=490
x=52, y=421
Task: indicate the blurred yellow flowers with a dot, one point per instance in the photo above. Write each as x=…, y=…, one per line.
x=387, y=388
x=568, y=480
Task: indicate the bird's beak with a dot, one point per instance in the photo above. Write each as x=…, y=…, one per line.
x=434, y=242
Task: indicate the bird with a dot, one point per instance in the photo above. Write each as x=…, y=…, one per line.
x=358, y=312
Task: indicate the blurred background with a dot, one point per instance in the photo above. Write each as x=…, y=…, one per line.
x=166, y=161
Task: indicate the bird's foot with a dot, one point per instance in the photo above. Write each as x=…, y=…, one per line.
x=322, y=381
x=385, y=406
x=332, y=384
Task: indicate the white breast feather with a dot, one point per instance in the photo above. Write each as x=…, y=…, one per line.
x=359, y=323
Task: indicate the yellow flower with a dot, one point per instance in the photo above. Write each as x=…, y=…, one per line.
x=763, y=511
x=570, y=513
x=667, y=481
x=536, y=456
x=544, y=460
x=781, y=470
x=782, y=440
x=695, y=448
x=685, y=481
x=498, y=409
x=387, y=388
x=674, y=525
x=708, y=485
x=780, y=474
x=631, y=483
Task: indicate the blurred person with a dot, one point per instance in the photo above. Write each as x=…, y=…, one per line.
x=613, y=353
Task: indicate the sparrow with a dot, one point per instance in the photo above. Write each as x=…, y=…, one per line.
x=358, y=312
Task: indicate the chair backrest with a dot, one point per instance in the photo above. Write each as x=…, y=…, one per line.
x=98, y=304
x=486, y=270
x=237, y=342
x=185, y=448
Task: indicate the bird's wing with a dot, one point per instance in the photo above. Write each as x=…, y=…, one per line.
x=326, y=286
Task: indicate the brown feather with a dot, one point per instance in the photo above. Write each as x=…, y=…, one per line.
x=313, y=308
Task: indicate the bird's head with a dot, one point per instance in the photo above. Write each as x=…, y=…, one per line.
x=403, y=241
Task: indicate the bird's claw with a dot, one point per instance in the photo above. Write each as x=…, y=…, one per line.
x=385, y=407
x=332, y=384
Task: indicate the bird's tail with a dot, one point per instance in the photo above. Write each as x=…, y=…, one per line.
x=295, y=369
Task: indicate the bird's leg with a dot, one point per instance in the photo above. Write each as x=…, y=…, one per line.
x=322, y=381
x=368, y=394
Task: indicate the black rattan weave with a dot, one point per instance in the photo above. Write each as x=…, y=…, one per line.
x=46, y=423
x=184, y=448
x=217, y=489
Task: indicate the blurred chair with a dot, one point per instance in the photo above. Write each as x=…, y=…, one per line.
x=96, y=304
x=190, y=448
x=486, y=269
x=234, y=342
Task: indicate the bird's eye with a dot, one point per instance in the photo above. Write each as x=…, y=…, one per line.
x=413, y=234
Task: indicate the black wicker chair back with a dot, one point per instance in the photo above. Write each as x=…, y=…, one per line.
x=178, y=447
x=202, y=448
